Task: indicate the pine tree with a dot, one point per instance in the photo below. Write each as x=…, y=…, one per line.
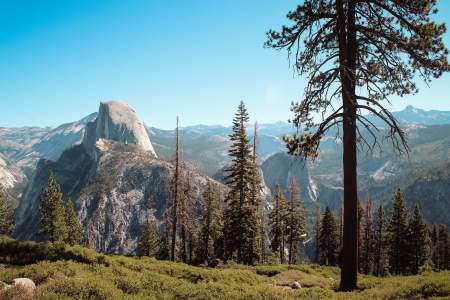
x=419, y=241
x=74, y=228
x=355, y=55
x=295, y=221
x=398, y=236
x=434, y=248
x=317, y=235
x=328, y=239
x=149, y=241
x=251, y=208
x=241, y=217
x=185, y=213
x=367, y=240
x=381, y=264
x=210, y=226
x=360, y=234
x=52, y=213
x=6, y=211
x=175, y=193
x=443, y=248
x=277, y=223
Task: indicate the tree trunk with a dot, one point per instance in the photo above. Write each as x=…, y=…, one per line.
x=347, y=49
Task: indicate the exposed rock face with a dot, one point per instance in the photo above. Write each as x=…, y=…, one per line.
x=281, y=168
x=114, y=185
x=117, y=121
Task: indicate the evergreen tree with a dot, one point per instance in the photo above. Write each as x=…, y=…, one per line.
x=6, y=211
x=360, y=234
x=381, y=263
x=355, y=54
x=52, y=212
x=443, y=248
x=295, y=221
x=149, y=241
x=434, y=248
x=367, y=240
x=241, y=217
x=328, y=239
x=175, y=186
x=210, y=226
x=398, y=236
x=419, y=241
x=74, y=228
x=317, y=235
x=277, y=223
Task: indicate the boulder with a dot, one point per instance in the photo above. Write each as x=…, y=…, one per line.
x=26, y=283
x=296, y=285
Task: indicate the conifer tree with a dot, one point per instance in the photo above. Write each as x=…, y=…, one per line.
x=263, y=234
x=434, y=248
x=185, y=213
x=277, y=223
x=360, y=234
x=251, y=208
x=74, y=228
x=295, y=221
x=317, y=235
x=6, y=211
x=419, y=241
x=52, y=212
x=355, y=55
x=149, y=241
x=381, y=264
x=210, y=226
x=175, y=186
x=398, y=236
x=328, y=239
x=443, y=248
x=240, y=232
x=367, y=240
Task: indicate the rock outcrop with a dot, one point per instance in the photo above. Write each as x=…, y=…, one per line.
x=114, y=178
x=118, y=122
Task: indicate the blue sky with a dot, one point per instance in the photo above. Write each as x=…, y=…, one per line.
x=196, y=59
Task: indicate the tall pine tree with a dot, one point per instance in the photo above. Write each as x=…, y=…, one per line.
x=381, y=262
x=367, y=247
x=328, y=239
x=398, y=236
x=240, y=232
x=419, y=241
x=52, y=212
x=149, y=240
x=355, y=54
x=295, y=221
x=277, y=223
x=74, y=228
x=6, y=211
x=443, y=248
x=210, y=226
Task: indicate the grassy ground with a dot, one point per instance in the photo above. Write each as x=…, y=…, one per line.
x=96, y=276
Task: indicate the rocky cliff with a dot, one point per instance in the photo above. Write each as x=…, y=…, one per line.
x=114, y=179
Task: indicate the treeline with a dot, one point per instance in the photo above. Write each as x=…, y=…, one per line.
x=399, y=244
x=58, y=220
x=234, y=225
x=230, y=225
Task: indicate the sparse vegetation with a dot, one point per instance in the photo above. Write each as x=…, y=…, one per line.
x=80, y=273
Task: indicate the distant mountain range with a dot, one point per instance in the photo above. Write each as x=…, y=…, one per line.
x=423, y=176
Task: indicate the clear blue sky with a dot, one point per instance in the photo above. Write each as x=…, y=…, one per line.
x=196, y=59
